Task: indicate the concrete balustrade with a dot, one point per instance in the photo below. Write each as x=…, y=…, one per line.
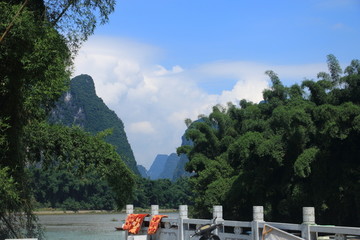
x=182, y=227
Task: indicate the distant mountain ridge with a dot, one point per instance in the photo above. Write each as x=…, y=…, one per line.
x=142, y=170
x=170, y=167
x=81, y=106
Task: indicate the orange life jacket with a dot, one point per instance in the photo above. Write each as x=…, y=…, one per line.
x=154, y=223
x=133, y=222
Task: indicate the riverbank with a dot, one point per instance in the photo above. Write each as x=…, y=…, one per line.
x=61, y=212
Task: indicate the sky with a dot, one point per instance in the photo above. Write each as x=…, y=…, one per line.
x=159, y=62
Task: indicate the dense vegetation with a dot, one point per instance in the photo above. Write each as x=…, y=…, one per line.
x=37, y=45
x=162, y=192
x=299, y=147
x=60, y=189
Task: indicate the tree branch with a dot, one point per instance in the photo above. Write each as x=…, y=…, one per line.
x=13, y=21
x=62, y=13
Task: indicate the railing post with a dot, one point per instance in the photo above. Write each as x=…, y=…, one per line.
x=308, y=219
x=154, y=210
x=258, y=216
x=218, y=215
x=218, y=212
x=129, y=209
x=183, y=214
x=183, y=211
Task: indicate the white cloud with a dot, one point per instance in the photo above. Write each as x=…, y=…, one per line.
x=141, y=127
x=153, y=101
x=163, y=71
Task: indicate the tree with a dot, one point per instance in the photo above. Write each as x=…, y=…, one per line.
x=30, y=55
x=38, y=41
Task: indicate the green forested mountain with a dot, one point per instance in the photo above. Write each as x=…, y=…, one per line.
x=82, y=107
x=83, y=110
x=299, y=147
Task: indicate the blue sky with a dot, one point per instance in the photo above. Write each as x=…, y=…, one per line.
x=158, y=62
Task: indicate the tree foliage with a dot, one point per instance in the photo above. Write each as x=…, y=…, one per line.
x=298, y=147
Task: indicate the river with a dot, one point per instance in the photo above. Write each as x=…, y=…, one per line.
x=83, y=226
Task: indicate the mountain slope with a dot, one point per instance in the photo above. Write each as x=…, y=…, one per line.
x=169, y=167
x=157, y=167
x=81, y=106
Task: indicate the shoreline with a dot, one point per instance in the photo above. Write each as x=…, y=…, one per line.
x=65, y=212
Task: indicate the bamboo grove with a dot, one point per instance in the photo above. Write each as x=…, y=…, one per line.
x=298, y=147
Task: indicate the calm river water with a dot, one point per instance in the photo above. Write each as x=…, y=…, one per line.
x=83, y=226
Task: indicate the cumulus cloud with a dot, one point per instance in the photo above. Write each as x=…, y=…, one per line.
x=154, y=101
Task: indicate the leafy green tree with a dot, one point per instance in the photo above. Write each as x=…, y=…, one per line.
x=79, y=153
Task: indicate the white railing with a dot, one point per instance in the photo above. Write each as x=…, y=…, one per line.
x=182, y=228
